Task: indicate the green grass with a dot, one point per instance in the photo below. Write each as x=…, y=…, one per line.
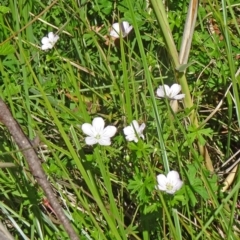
x=108, y=192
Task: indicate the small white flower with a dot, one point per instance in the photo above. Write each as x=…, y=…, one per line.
x=169, y=184
x=97, y=133
x=171, y=93
x=118, y=29
x=134, y=131
x=49, y=41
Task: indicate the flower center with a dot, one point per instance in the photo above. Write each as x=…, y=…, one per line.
x=52, y=42
x=169, y=186
x=98, y=136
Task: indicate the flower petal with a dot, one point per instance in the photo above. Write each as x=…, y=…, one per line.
x=162, y=181
x=163, y=91
x=179, y=97
x=45, y=40
x=98, y=124
x=104, y=141
x=135, y=125
x=91, y=140
x=113, y=34
x=140, y=130
x=88, y=129
x=160, y=92
x=125, y=25
x=46, y=46
x=142, y=127
x=130, y=133
x=127, y=28
x=51, y=36
x=109, y=131
x=174, y=178
x=178, y=185
x=128, y=130
x=175, y=89
x=132, y=137
x=173, y=175
x=56, y=37
x=115, y=31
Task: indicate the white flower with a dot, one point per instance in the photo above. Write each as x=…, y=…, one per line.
x=134, y=131
x=169, y=184
x=170, y=93
x=118, y=29
x=97, y=133
x=49, y=41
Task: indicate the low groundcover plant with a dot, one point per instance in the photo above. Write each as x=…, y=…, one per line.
x=126, y=115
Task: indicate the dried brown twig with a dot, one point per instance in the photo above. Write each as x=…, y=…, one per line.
x=35, y=166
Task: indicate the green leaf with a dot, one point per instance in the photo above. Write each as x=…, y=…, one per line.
x=6, y=49
x=150, y=208
x=191, y=196
x=183, y=67
x=4, y=9
x=195, y=133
